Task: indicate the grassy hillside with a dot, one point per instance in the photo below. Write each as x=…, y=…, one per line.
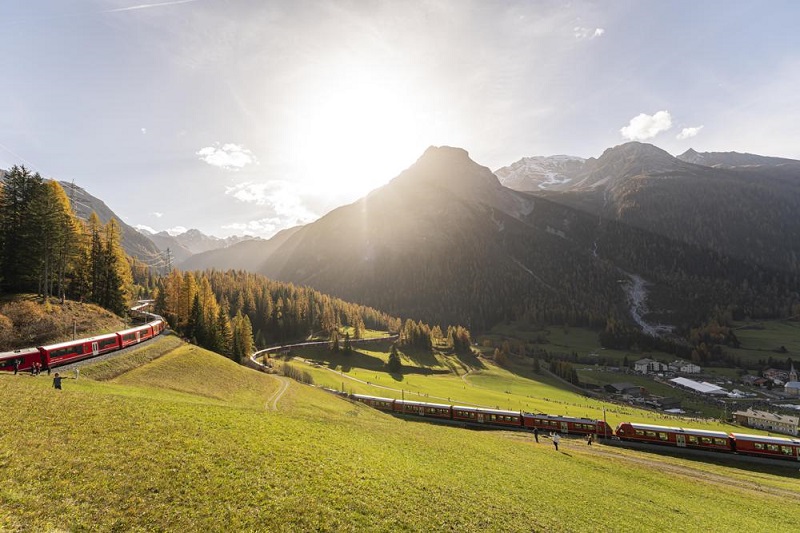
x=27, y=321
x=191, y=441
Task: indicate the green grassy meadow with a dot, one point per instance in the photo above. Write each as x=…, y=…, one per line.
x=190, y=441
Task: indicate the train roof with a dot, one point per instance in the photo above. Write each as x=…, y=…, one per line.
x=16, y=353
x=486, y=410
x=368, y=397
x=765, y=438
x=426, y=404
x=78, y=341
x=561, y=418
x=672, y=429
x=134, y=329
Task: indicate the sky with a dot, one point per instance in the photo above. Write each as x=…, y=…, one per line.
x=251, y=116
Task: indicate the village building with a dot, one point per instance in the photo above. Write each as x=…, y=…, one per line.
x=776, y=374
x=703, y=387
x=792, y=389
x=684, y=367
x=646, y=366
x=785, y=424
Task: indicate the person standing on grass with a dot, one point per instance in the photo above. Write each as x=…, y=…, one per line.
x=536, y=434
x=57, y=381
x=556, y=439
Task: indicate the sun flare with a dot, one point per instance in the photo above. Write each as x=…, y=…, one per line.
x=355, y=134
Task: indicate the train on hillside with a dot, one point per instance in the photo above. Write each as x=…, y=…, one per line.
x=678, y=438
x=63, y=353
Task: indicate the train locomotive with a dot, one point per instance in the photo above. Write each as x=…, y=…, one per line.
x=679, y=438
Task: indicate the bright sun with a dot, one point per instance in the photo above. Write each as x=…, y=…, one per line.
x=356, y=133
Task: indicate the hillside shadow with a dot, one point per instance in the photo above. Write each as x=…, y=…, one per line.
x=354, y=359
x=422, y=358
x=471, y=360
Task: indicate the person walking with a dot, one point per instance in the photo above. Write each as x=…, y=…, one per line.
x=556, y=440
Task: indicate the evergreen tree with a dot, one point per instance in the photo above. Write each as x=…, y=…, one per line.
x=348, y=347
x=394, y=365
x=19, y=240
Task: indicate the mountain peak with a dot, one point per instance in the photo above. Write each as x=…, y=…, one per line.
x=448, y=167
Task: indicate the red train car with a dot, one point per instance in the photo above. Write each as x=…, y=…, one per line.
x=157, y=325
x=567, y=425
x=493, y=417
x=24, y=359
x=376, y=402
x=135, y=335
x=761, y=446
x=69, y=351
x=673, y=436
x=435, y=410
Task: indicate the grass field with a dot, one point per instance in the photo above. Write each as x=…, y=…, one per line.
x=190, y=441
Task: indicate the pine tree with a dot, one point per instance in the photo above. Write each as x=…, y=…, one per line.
x=19, y=242
x=394, y=365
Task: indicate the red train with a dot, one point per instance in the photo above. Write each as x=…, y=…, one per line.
x=54, y=355
x=717, y=441
x=700, y=439
x=490, y=417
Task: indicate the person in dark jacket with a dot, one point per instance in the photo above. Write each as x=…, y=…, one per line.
x=57, y=381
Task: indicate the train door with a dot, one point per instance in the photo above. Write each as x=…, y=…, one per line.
x=681, y=441
x=138, y=337
x=95, y=349
x=480, y=418
x=564, y=427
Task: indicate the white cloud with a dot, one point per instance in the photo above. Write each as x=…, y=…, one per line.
x=228, y=156
x=144, y=229
x=177, y=230
x=157, y=214
x=644, y=126
x=689, y=132
x=283, y=202
x=587, y=33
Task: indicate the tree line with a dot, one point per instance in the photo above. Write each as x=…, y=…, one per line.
x=47, y=250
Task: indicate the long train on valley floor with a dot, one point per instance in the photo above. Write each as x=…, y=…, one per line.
x=675, y=437
x=63, y=353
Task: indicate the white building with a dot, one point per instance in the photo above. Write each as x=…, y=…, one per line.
x=646, y=366
x=684, y=367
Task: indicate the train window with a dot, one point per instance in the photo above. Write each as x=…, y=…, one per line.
x=772, y=447
x=758, y=446
x=639, y=432
x=663, y=436
x=705, y=440
x=720, y=442
x=650, y=433
x=787, y=450
x=692, y=439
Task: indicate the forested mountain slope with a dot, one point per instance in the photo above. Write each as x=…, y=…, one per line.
x=446, y=242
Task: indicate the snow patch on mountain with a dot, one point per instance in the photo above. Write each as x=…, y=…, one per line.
x=540, y=173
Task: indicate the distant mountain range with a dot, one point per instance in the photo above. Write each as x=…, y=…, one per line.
x=634, y=233
x=446, y=241
x=184, y=245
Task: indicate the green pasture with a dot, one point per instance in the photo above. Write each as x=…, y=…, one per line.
x=486, y=385
x=189, y=441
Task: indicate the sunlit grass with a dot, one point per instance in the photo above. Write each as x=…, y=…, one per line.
x=188, y=442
